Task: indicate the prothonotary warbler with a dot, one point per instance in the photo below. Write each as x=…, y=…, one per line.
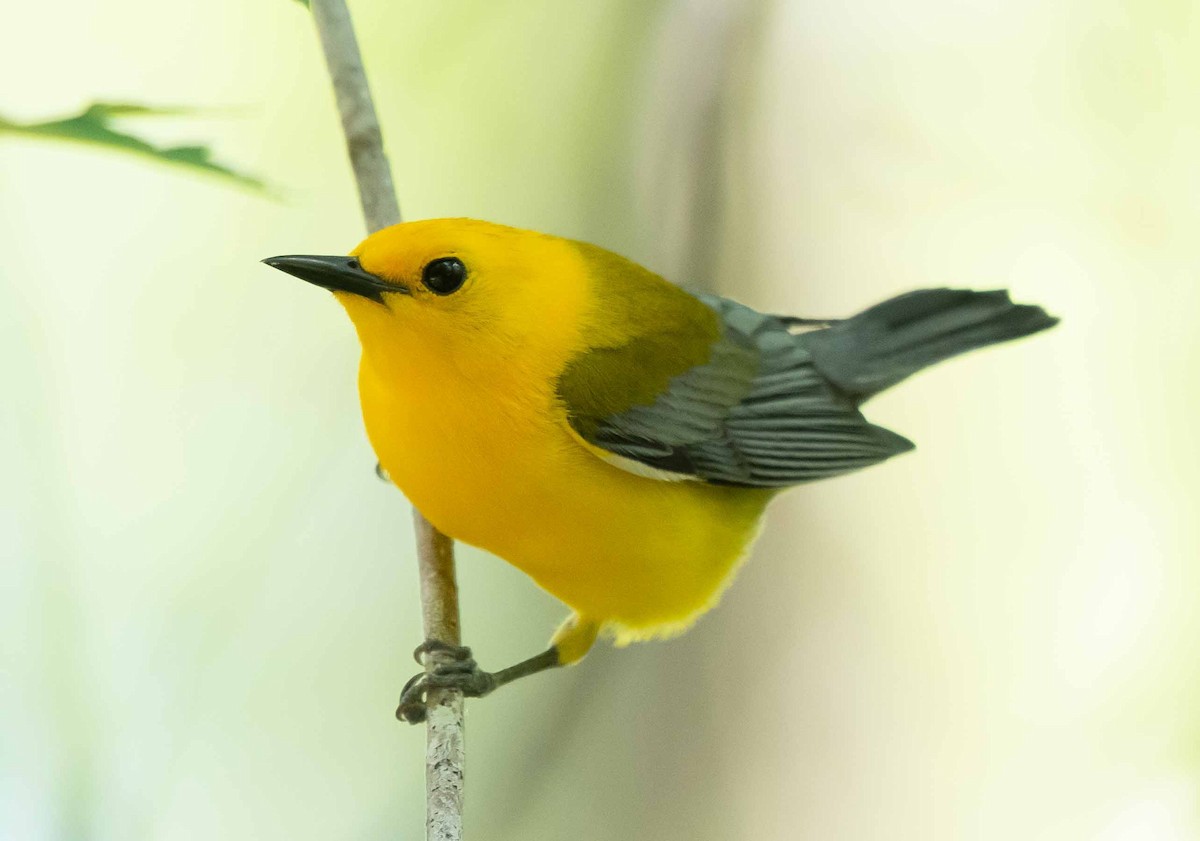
x=612, y=435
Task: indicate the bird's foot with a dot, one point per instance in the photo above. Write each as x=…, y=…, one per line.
x=453, y=668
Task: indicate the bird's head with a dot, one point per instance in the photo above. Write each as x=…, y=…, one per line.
x=458, y=290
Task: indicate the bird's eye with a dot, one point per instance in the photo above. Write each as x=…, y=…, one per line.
x=444, y=275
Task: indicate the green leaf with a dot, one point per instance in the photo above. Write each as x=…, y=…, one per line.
x=303, y=3
x=95, y=126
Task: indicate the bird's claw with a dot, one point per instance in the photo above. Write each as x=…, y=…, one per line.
x=459, y=671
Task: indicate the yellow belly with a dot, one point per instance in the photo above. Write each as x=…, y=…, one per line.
x=499, y=470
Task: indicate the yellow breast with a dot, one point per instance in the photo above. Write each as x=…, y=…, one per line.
x=498, y=467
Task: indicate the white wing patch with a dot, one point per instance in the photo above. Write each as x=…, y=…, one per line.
x=637, y=468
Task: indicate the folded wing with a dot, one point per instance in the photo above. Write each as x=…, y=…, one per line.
x=752, y=411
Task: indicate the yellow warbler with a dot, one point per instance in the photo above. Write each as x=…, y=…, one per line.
x=610, y=434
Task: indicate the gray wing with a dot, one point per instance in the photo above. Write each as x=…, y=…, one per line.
x=758, y=413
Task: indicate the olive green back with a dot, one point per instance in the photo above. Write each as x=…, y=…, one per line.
x=643, y=332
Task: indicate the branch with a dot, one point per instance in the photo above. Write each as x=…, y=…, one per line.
x=444, y=754
x=364, y=140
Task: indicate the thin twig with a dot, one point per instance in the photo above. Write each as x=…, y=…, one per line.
x=364, y=140
x=444, y=753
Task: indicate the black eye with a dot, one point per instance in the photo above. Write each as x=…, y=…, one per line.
x=444, y=275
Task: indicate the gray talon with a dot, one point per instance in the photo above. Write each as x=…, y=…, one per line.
x=461, y=673
x=431, y=646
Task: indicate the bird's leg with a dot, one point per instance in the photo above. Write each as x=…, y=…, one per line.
x=452, y=667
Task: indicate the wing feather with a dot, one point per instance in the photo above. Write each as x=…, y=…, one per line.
x=755, y=413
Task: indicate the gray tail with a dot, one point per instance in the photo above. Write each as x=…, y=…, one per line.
x=881, y=346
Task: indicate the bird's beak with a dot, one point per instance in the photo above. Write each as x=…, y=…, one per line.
x=337, y=274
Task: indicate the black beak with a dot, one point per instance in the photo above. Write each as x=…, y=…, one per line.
x=338, y=274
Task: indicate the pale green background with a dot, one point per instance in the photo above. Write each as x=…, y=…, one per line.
x=207, y=597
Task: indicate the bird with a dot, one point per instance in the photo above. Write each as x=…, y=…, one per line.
x=611, y=434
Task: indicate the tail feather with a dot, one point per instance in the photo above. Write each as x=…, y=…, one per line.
x=882, y=345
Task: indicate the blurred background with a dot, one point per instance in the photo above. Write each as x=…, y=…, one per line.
x=207, y=599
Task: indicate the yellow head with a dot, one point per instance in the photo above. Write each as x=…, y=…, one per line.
x=457, y=295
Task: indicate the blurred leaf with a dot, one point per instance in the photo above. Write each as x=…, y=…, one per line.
x=95, y=126
x=303, y=3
